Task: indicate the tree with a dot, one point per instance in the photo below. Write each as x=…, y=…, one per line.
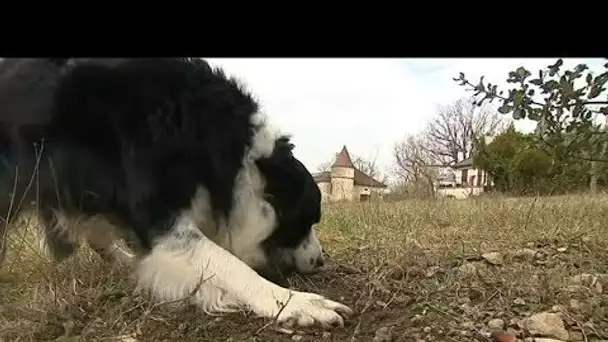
x=414, y=165
x=514, y=162
x=370, y=167
x=451, y=136
x=571, y=101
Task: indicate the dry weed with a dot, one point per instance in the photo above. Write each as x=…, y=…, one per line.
x=415, y=270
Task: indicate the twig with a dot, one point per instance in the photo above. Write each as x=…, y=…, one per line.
x=353, y=337
x=276, y=317
x=578, y=324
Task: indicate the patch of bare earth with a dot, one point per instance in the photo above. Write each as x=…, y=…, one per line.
x=473, y=270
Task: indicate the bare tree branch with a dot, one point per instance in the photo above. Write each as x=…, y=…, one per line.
x=414, y=165
x=451, y=136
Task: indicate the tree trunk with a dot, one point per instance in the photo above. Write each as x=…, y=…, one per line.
x=593, y=177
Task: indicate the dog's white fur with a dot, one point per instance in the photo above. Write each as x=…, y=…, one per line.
x=215, y=260
x=186, y=258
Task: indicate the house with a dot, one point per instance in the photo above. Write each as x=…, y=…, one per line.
x=344, y=182
x=463, y=181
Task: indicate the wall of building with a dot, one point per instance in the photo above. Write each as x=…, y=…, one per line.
x=481, y=177
x=460, y=192
x=342, y=183
x=325, y=188
x=465, y=184
x=373, y=192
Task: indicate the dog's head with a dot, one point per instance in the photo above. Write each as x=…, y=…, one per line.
x=296, y=199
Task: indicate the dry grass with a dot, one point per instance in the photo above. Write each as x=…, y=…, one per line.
x=399, y=265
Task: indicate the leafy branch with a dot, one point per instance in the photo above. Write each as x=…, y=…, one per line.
x=556, y=100
x=560, y=94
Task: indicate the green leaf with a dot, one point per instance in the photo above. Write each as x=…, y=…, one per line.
x=518, y=114
x=581, y=67
x=522, y=73
x=504, y=109
x=594, y=92
x=536, y=81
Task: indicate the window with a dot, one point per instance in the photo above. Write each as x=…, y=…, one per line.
x=463, y=176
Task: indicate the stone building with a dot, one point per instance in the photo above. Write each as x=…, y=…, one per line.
x=344, y=182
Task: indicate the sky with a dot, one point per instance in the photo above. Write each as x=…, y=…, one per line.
x=366, y=104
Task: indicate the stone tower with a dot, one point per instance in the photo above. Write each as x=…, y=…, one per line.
x=342, y=177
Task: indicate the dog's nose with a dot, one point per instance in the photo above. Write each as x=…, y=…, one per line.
x=319, y=262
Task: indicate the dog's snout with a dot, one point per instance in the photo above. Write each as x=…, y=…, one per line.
x=317, y=263
x=320, y=262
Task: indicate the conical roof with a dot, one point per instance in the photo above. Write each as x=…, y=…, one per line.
x=343, y=159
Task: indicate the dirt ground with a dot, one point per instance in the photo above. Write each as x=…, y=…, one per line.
x=411, y=271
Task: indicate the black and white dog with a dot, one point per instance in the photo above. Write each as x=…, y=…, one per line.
x=179, y=155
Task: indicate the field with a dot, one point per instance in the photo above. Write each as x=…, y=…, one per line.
x=446, y=270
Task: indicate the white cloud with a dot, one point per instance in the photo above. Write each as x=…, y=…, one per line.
x=365, y=104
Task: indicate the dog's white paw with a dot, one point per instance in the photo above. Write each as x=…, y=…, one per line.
x=306, y=309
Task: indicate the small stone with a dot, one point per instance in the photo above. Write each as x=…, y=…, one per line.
x=383, y=335
x=484, y=332
x=546, y=324
x=576, y=336
x=502, y=336
x=496, y=324
x=468, y=325
x=598, y=288
x=562, y=249
x=557, y=308
x=426, y=330
x=525, y=253
x=464, y=300
x=467, y=269
x=575, y=304
x=297, y=337
x=284, y=331
x=519, y=301
x=417, y=318
x=583, y=279
x=326, y=335
x=493, y=258
x=514, y=332
x=579, y=307
x=466, y=333
x=431, y=271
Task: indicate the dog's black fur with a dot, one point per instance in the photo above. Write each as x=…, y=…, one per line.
x=132, y=140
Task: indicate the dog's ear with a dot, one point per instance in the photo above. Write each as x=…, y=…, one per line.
x=283, y=148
